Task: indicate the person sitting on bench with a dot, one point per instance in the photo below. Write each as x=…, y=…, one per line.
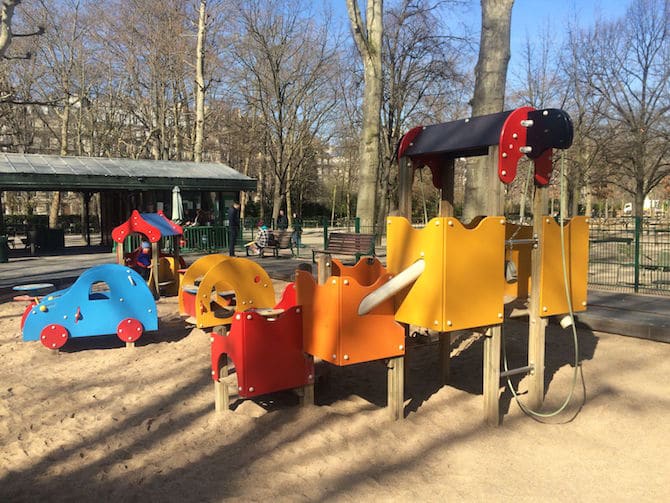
x=262, y=240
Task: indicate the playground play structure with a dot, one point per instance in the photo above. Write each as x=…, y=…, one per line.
x=164, y=276
x=106, y=299
x=445, y=277
x=448, y=276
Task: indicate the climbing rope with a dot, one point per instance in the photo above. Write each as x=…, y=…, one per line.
x=537, y=415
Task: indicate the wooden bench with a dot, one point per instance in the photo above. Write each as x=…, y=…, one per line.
x=280, y=240
x=277, y=240
x=344, y=243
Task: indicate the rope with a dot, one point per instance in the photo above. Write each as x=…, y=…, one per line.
x=577, y=366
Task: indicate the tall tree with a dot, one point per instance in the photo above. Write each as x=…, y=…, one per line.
x=628, y=67
x=368, y=38
x=286, y=66
x=482, y=190
x=200, y=82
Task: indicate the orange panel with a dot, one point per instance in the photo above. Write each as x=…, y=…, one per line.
x=366, y=271
x=552, y=290
x=332, y=329
x=462, y=285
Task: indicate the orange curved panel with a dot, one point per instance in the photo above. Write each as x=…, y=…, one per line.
x=462, y=285
x=366, y=271
x=332, y=328
x=552, y=290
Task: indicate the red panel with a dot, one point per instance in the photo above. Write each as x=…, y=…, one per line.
x=267, y=352
x=407, y=139
x=512, y=138
x=189, y=303
x=289, y=297
x=543, y=167
x=136, y=224
x=27, y=312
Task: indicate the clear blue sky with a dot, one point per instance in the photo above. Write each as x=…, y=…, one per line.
x=529, y=16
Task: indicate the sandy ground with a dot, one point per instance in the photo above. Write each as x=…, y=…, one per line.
x=100, y=422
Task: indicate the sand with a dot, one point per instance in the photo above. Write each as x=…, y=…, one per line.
x=100, y=422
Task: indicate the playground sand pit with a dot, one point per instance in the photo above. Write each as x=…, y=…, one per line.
x=98, y=421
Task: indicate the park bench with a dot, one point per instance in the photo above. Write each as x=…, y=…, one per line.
x=277, y=240
x=280, y=240
x=344, y=243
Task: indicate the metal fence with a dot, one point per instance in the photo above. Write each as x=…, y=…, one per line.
x=630, y=254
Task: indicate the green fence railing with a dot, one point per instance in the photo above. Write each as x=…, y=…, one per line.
x=630, y=254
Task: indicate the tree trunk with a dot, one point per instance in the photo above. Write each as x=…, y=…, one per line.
x=482, y=188
x=368, y=40
x=200, y=84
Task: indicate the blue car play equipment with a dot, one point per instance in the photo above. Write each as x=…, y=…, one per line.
x=106, y=299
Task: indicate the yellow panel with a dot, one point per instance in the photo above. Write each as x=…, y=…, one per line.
x=251, y=284
x=463, y=283
x=198, y=270
x=421, y=303
x=552, y=289
x=475, y=281
x=521, y=256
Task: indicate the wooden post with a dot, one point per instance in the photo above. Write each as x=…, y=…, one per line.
x=130, y=345
x=492, y=375
x=323, y=268
x=405, y=181
x=119, y=253
x=154, y=268
x=396, y=387
x=536, y=330
x=221, y=401
x=446, y=210
x=491, y=378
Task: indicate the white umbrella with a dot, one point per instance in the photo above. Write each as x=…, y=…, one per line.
x=177, y=206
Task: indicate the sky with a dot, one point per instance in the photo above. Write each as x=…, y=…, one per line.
x=529, y=16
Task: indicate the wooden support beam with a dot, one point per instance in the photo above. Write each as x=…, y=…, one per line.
x=446, y=210
x=538, y=324
x=130, y=345
x=221, y=400
x=405, y=181
x=396, y=387
x=154, y=268
x=323, y=268
x=492, y=340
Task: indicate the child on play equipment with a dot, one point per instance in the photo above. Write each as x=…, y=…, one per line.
x=143, y=261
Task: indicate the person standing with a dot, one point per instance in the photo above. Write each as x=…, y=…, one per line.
x=233, y=227
x=282, y=221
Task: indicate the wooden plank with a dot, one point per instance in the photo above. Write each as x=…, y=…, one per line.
x=221, y=399
x=446, y=210
x=537, y=324
x=396, y=387
x=492, y=375
x=405, y=182
x=324, y=268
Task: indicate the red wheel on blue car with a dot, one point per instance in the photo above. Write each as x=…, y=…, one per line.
x=129, y=330
x=54, y=336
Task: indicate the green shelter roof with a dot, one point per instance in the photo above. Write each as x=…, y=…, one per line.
x=52, y=172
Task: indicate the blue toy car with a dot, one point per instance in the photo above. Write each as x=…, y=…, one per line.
x=106, y=299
